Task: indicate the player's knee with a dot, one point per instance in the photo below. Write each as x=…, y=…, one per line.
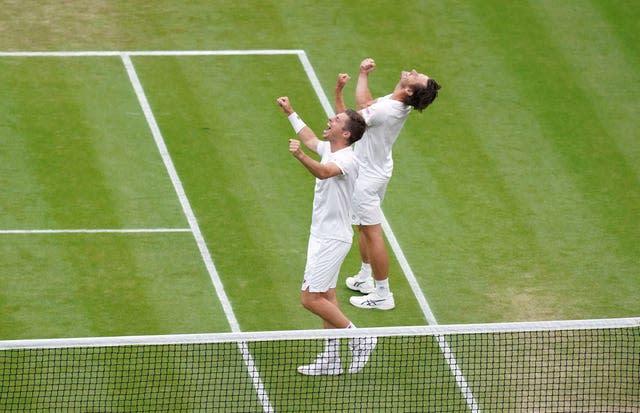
x=306, y=299
x=371, y=232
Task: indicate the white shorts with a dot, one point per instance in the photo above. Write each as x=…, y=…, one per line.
x=324, y=258
x=368, y=194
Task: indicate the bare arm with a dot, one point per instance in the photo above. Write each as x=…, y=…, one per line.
x=363, y=95
x=317, y=169
x=307, y=136
x=340, y=84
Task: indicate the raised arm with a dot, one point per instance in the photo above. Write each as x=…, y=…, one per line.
x=317, y=169
x=305, y=133
x=343, y=78
x=363, y=95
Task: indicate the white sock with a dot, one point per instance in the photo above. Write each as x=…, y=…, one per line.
x=365, y=271
x=351, y=325
x=331, y=348
x=382, y=287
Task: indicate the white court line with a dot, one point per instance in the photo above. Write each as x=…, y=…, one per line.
x=177, y=185
x=442, y=343
x=429, y=316
x=311, y=74
x=404, y=264
x=94, y=231
x=195, y=228
x=149, y=53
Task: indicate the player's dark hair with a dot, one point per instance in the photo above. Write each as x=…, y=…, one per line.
x=423, y=96
x=355, y=125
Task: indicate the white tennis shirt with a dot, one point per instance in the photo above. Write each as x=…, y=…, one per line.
x=385, y=119
x=332, y=200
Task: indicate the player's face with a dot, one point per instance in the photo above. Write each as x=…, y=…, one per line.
x=413, y=78
x=335, y=127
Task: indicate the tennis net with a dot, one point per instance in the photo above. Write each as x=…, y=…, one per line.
x=559, y=366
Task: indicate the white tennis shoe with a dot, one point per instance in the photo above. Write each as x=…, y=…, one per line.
x=323, y=366
x=365, y=286
x=373, y=300
x=361, y=349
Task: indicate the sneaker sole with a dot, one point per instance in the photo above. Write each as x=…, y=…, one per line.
x=325, y=373
x=373, y=307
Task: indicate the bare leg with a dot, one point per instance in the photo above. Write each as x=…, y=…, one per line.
x=325, y=305
x=376, y=250
x=362, y=246
x=381, y=298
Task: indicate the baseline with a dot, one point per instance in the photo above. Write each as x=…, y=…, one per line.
x=93, y=231
x=97, y=53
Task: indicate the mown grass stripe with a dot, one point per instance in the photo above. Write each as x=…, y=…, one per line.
x=197, y=233
x=584, y=216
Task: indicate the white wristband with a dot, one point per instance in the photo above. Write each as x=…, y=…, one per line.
x=296, y=122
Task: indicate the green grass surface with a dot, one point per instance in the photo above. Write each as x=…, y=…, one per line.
x=516, y=196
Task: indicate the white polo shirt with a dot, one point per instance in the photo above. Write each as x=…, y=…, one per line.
x=385, y=119
x=332, y=200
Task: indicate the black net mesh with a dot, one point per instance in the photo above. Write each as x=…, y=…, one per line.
x=572, y=370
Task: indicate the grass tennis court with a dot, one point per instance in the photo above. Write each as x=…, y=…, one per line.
x=515, y=197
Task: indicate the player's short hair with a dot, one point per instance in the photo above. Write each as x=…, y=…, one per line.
x=355, y=125
x=423, y=96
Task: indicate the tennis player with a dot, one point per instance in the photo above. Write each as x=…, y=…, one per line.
x=331, y=232
x=385, y=118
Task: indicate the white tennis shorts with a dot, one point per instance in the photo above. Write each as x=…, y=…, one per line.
x=324, y=258
x=366, y=207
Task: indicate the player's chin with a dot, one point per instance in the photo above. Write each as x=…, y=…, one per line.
x=325, y=133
